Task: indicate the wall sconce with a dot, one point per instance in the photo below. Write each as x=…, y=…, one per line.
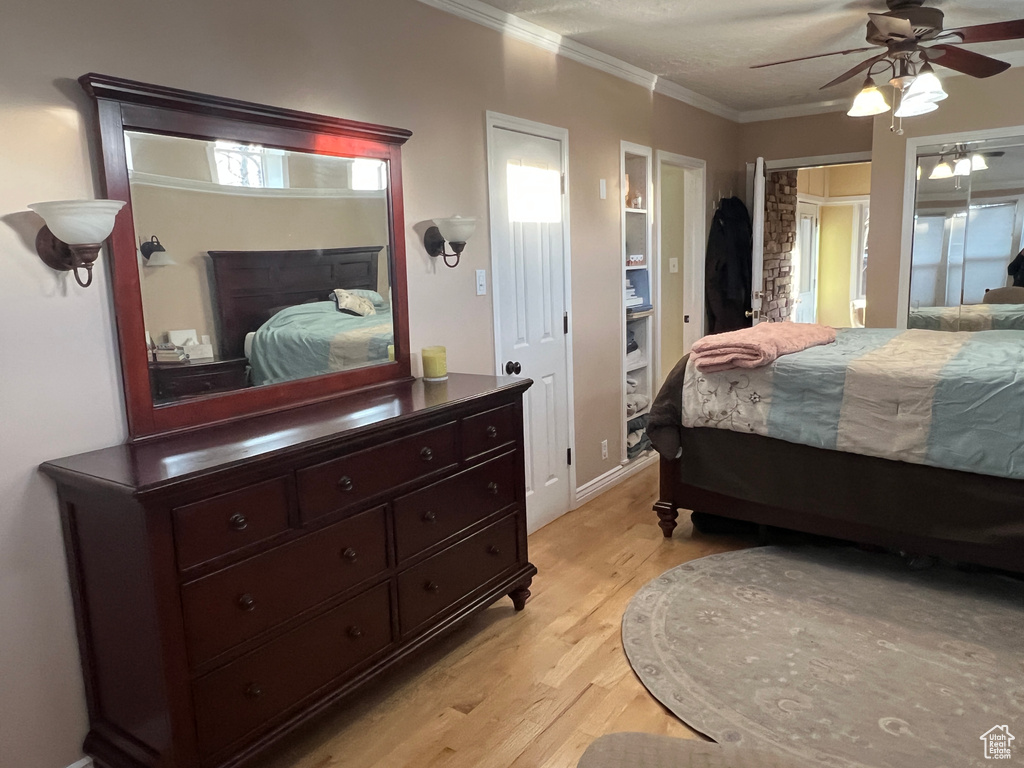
x=74, y=232
x=456, y=231
x=155, y=254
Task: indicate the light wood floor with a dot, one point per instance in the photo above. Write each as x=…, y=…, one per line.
x=529, y=690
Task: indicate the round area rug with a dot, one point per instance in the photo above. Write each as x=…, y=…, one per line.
x=839, y=658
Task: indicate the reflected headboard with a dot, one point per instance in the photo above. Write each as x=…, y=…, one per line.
x=248, y=284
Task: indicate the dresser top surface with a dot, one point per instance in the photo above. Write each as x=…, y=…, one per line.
x=162, y=461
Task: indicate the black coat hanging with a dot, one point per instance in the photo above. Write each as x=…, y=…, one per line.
x=727, y=267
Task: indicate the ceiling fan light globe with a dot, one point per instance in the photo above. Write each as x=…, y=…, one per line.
x=962, y=167
x=926, y=87
x=978, y=163
x=869, y=101
x=914, y=107
x=942, y=170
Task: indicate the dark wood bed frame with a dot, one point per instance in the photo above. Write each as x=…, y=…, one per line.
x=910, y=508
x=249, y=284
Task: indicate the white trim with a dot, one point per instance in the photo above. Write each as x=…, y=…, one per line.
x=536, y=35
x=795, y=163
x=85, y=762
x=909, y=202
x=496, y=120
x=594, y=488
x=695, y=237
x=845, y=200
x=213, y=188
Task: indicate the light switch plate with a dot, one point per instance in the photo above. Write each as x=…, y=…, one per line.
x=481, y=282
x=673, y=265
x=604, y=189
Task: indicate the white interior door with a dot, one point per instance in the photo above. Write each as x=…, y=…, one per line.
x=757, y=251
x=528, y=266
x=805, y=264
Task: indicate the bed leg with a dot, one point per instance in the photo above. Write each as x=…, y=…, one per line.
x=667, y=514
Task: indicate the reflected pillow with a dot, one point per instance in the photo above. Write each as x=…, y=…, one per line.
x=352, y=304
x=375, y=298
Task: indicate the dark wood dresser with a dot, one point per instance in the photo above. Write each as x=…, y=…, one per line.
x=171, y=381
x=232, y=581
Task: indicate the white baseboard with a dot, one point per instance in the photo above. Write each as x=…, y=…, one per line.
x=611, y=478
x=85, y=762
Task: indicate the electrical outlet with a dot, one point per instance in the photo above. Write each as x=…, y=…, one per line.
x=673, y=265
x=604, y=449
x=481, y=282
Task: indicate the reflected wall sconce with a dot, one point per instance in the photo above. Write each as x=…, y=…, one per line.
x=155, y=254
x=455, y=231
x=74, y=232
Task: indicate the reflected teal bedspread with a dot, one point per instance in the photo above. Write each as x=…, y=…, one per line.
x=313, y=339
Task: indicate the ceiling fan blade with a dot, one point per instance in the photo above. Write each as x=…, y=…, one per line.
x=892, y=26
x=990, y=33
x=864, y=66
x=968, y=62
x=816, y=56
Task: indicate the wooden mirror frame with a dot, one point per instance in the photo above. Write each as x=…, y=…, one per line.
x=128, y=105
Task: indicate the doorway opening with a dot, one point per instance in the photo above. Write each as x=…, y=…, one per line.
x=816, y=221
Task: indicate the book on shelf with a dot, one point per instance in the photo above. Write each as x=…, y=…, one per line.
x=639, y=307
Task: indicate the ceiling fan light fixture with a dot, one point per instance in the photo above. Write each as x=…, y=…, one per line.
x=926, y=87
x=910, y=107
x=978, y=162
x=942, y=170
x=869, y=101
x=963, y=166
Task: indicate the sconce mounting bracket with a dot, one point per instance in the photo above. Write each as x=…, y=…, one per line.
x=60, y=256
x=433, y=242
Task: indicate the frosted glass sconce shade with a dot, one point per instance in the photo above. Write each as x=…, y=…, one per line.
x=74, y=232
x=942, y=170
x=869, y=101
x=456, y=231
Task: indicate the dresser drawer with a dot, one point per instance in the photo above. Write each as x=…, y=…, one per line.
x=486, y=431
x=442, y=580
x=242, y=695
x=430, y=515
x=340, y=483
x=232, y=605
x=221, y=524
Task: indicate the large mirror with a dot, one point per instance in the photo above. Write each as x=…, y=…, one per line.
x=258, y=264
x=966, y=272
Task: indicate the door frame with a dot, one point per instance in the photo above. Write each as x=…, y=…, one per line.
x=695, y=237
x=812, y=201
x=498, y=121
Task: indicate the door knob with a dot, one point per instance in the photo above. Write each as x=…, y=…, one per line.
x=513, y=368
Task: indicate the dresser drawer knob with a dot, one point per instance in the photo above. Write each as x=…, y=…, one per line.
x=349, y=554
x=253, y=691
x=355, y=632
x=238, y=521
x=426, y=454
x=492, y=488
x=494, y=549
x=247, y=603
x=429, y=517
x=431, y=586
x=345, y=483
x=492, y=432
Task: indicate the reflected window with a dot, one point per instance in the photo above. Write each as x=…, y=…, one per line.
x=534, y=194
x=368, y=175
x=249, y=165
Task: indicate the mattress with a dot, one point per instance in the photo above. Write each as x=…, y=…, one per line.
x=949, y=400
x=969, y=317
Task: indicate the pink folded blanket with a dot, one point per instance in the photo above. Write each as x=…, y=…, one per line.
x=757, y=346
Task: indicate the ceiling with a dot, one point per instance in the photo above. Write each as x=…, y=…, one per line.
x=708, y=46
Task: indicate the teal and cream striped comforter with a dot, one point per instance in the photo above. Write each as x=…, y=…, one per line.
x=953, y=400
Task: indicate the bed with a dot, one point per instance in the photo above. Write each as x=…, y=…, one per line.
x=968, y=317
x=274, y=308
x=933, y=493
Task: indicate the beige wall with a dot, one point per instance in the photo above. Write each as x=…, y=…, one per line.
x=390, y=62
x=832, y=133
x=849, y=180
x=972, y=105
x=812, y=181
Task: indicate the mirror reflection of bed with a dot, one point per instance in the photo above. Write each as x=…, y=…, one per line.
x=968, y=230
x=257, y=240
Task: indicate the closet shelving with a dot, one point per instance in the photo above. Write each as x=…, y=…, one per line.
x=638, y=283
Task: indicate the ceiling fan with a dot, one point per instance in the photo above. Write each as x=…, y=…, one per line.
x=902, y=31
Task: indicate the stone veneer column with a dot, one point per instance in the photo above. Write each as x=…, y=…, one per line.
x=779, y=239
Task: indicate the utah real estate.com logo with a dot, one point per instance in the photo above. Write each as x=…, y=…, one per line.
x=997, y=743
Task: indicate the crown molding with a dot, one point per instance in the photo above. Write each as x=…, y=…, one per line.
x=534, y=34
